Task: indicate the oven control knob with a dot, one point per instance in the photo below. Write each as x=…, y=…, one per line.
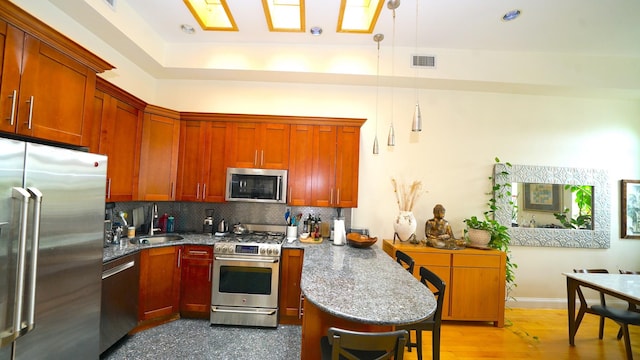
x=263, y=251
x=276, y=251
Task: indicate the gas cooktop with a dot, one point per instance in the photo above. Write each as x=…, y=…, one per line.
x=258, y=237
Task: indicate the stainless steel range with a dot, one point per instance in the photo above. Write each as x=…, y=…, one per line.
x=246, y=272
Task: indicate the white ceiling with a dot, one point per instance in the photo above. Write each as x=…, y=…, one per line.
x=148, y=31
x=610, y=27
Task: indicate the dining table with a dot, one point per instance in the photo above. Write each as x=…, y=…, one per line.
x=622, y=286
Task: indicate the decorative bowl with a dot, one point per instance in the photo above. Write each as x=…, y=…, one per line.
x=360, y=241
x=304, y=235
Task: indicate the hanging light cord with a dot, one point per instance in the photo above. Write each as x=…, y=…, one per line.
x=416, y=65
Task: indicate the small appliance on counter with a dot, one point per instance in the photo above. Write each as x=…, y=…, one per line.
x=207, y=225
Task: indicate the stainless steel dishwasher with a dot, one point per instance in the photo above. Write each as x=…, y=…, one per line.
x=119, y=307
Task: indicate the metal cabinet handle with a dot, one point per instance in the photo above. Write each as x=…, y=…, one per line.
x=23, y=196
x=179, y=256
x=210, y=264
x=262, y=157
x=14, y=97
x=204, y=191
x=338, y=197
x=331, y=198
x=300, y=308
x=255, y=157
x=109, y=188
x=36, y=195
x=117, y=269
x=198, y=191
x=30, y=102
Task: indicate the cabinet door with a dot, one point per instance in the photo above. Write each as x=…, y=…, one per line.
x=202, y=170
x=190, y=164
x=159, y=282
x=324, y=166
x=56, y=95
x=11, y=43
x=244, y=146
x=215, y=174
x=274, y=146
x=289, y=300
x=439, y=264
x=300, y=165
x=195, y=293
x=476, y=287
x=159, y=157
x=259, y=145
x=347, y=162
x=120, y=125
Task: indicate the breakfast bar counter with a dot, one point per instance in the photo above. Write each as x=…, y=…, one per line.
x=357, y=289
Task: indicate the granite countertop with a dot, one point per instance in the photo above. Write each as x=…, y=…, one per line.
x=362, y=285
x=115, y=251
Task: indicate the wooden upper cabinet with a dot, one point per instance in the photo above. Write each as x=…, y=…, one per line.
x=300, y=165
x=347, y=166
x=118, y=119
x=323, y=169
x=159, y=154
x=201, y=166
x=323, y=190
x=259, y=145
x=48, y=81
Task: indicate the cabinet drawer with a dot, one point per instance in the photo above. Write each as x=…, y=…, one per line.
x=489, y=261
x=431, y=259
x=198, y=252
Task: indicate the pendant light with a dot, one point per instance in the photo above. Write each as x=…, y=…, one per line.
x=416, y=124
x=377, y=38
x=393, y=5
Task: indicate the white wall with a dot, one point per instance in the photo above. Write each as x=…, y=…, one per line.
x=453, y=156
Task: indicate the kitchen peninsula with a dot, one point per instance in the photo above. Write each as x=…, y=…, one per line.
x=357, y=289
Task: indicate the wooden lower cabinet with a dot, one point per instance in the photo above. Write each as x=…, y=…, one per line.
x=195, y=287
x=159, y=296
x=290, y=299
x=476, y=279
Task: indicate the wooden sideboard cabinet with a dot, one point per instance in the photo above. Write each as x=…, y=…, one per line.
x=290, y=299
x=476, y=279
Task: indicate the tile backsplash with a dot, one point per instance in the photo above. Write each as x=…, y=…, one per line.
x=189, y=216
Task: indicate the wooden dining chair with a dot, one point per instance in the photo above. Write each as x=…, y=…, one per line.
x=432, y=323
x=354, y=345
x=622, y=317
x=405, y=260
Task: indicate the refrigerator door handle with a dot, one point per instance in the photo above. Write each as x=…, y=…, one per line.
x=36, y=195
x=23, y=196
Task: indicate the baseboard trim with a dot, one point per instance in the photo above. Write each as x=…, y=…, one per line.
x=554, y=303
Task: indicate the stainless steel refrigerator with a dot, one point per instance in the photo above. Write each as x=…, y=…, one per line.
x=51, y=241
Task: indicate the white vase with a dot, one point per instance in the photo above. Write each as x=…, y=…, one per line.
x=405, y=225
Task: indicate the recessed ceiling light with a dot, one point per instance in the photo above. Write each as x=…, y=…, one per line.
x=511, y=15
x=316, y=30
x=187, y=29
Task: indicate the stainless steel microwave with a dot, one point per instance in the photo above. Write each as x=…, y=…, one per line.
x=256, y=185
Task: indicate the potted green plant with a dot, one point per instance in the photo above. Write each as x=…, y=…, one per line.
x=499, y=237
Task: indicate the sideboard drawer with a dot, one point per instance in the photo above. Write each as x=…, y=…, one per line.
x=490, y=261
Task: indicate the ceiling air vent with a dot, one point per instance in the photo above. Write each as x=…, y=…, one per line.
x=423, y=61
x=111, y=3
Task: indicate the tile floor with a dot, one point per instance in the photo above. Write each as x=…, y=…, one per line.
x=196, y=339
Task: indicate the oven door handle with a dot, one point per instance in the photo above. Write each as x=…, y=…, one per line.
x=261, y=260
x=267, y=312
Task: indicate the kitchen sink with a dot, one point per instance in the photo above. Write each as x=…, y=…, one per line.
x=155, y=239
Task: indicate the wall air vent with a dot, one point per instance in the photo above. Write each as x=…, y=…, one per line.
x=423, y=61
x=111, y=3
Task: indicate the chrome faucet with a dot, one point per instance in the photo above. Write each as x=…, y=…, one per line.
x=154, y=218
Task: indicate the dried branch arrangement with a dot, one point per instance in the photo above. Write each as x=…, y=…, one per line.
x=406, y=197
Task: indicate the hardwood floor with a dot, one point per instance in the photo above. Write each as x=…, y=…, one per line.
x=530, y=334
